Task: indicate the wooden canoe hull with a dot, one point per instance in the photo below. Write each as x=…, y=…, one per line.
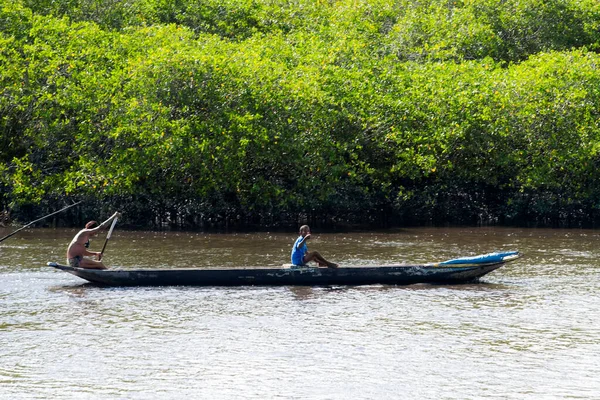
x=392, y=275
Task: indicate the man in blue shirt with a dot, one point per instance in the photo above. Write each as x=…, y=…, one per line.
x=300, y=254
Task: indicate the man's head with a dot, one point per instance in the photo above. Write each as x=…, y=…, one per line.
x=91, y=225
x=304, y=230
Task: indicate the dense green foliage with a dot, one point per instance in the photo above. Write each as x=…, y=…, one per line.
x=267, y=112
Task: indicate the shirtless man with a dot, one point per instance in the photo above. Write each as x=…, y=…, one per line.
x=78, y=246
x=300, y=254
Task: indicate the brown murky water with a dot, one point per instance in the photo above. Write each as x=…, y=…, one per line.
x=529, y=330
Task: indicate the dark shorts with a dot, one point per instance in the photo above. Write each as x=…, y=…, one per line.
x=74, y=262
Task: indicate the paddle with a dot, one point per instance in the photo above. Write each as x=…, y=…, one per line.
x=108, y=237
x=38, y=220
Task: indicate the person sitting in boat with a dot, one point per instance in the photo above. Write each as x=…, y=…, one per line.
x=78, y=247
x=300, y=254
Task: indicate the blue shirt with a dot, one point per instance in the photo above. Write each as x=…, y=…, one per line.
x=299, y=252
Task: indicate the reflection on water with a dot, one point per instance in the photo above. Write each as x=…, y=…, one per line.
x=528, y=330
x=76, y=290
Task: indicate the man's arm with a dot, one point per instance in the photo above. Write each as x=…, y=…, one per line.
x=106, y=223
x=91, y=253
x=304, y=239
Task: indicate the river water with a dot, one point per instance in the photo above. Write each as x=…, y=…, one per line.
x=529, y=330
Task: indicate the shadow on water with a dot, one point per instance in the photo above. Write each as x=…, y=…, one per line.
x=74, y=290
x=310, y=292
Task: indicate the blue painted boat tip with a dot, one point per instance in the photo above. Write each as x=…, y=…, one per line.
x=484, y=258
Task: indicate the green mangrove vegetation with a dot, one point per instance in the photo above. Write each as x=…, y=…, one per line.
x=267, y=112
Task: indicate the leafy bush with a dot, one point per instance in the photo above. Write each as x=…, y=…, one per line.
x=259, y=112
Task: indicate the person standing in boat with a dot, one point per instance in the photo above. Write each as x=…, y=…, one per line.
x=300, y=254
x=78, y=248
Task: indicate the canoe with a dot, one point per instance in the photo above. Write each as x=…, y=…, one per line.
x=451, y=271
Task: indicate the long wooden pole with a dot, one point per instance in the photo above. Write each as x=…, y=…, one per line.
x=107, y=237
x=38, y=220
